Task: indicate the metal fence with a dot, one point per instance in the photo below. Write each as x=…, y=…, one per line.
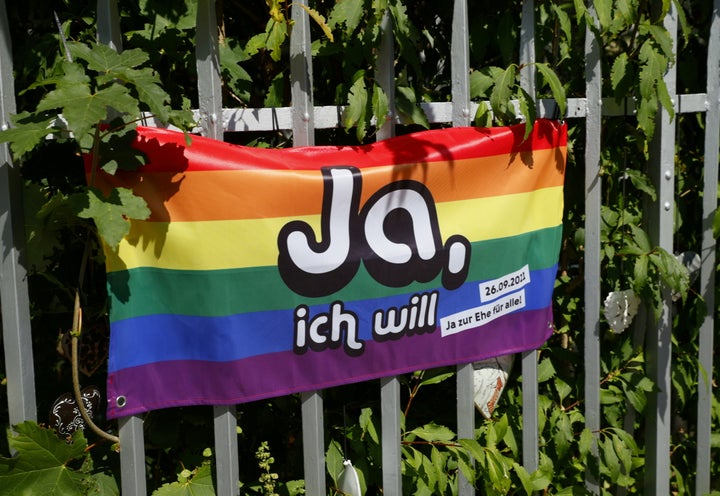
x=302, y=119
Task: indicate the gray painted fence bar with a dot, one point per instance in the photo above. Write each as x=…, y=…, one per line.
x=132, y=440
x=132, y=456
x=660, y=217
x=303, y=118
x=529, y=358
x=593, y=192
x=227, y=469
x=303, y=128
x=14, y=301
x=108, y=24
x=390, y=408
x=461, y=116
x=707, y=254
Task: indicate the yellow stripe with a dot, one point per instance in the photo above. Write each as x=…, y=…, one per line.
x=212, y=245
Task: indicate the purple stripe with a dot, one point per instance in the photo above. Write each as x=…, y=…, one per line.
x=184, y=382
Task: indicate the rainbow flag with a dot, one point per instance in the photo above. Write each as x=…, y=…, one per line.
x=264, y=272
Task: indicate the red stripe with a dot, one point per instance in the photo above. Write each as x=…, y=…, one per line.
x=167, y=150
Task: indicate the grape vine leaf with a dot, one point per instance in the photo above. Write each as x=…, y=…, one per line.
x=42, y=463
x=112, y=214
x=196, y=483
x=28, y=132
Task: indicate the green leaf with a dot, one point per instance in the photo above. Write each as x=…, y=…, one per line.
x=603, y=10
x=716, y=221
x=29, y=131
x=347, y=12
x=546, y=370
x=433, y=432
x=111, y=214
x=102, y=485
x=274, y=96
x=610, y=458
x=234, y=75
x=318, y=18
x=41, y=463
x=585, y=443
x=481, y=81
x=556, y=88
x=117, y=152
x=380, y=105
x=409, y=110
x=198, y=483
x=563, y=435
x=619, y=69
x=524, y=477
x=149, y=91
x=368, y=425
x=502, y=93
x=641, y=238
x=660, y=36
x=83, y=109
x=474, y=449
x=104, y=59
x=641, y=182
x=564, y=20
x=356, y=109
x=334, y=460
x=436, y=378
x=275, y=40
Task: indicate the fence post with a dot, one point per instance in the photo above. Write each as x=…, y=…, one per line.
x=390, y=409
x=529, y=358
x=460, y=72
x=132, y=456
x=707, y=253
x=17, y=339
x=593, y=192
x=659, y=345
x=303, y=127
x=211, y=122
x=108, y=24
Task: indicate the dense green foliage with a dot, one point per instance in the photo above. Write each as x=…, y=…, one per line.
x=101, y=95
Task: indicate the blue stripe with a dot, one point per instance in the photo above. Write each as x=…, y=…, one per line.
x=156, y=338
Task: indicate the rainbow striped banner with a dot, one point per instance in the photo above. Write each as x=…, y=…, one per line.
x=263, y=272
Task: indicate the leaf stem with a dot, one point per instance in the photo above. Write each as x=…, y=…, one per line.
x=75, y=334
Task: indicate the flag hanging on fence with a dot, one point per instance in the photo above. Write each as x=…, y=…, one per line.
x=261, y=273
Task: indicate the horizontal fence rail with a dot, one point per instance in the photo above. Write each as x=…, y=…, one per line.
x=302, y=120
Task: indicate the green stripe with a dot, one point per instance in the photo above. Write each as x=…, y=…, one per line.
x=231, y=291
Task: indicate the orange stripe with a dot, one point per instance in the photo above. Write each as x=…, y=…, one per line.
x=255, y=194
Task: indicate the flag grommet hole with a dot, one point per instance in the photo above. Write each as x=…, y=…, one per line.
x=121, y=401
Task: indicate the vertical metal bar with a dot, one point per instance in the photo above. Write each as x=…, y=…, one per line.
x=460, y=65
x=593, y=192
x=227, y=466
x=303, y=127
x=707, y=253
x=17, y=339
x=385, y=73
x=529, y=358
x=313, y=442
x=659, y=346
x=301, y=77
x=132, y=456
x=108, y=24
x=208, y=69
x=390, y=410
x=210, y=108
x=460, y=75
x=527, y=47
